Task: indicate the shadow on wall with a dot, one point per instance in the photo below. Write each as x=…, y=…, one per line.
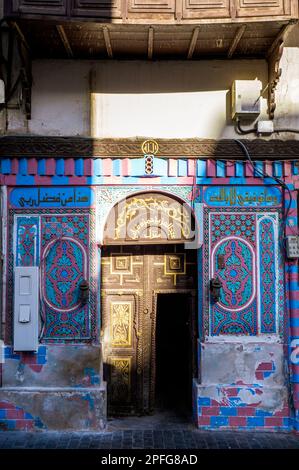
x=169, y=99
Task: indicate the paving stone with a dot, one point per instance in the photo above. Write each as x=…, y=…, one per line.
x=175, y=437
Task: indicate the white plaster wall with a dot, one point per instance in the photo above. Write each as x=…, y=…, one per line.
x=151, y=99
x=168, y=99
x=60, y=98
x=287, y=94
x=135, y=98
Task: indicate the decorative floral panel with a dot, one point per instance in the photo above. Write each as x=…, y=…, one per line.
x=62, y=243
x=64, y=265
x=268, y=295
x=27, y=241
x=242, y=249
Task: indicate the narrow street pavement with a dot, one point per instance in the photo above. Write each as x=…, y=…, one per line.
x=151, y=432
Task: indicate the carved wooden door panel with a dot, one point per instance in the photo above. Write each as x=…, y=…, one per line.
x=122, y=288
x=132, y=277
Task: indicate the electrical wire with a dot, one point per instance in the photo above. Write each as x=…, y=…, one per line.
x=241, y=131
x=253, y=130
x=275, y=178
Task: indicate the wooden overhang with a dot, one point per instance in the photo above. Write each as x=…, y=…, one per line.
x=151, y=29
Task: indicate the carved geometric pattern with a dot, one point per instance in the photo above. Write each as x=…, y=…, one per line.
x=267, y=275
x=229, y=233
x=225, y=322
x=120, y=379
x=79, y=225
x=173, y=270
x=240, y=225
x=65, y=226
x=121, y=264
x=64, y=270
x=237, y=275
x=233, y=313
x=242, y=249
x=64, y=266
x=127, y=307
x=175, y=264
x=121, y=324
x=27, y=242
x=121, y=269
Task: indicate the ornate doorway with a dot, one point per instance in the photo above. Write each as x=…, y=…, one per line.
x=131, y=284
x=133, y=276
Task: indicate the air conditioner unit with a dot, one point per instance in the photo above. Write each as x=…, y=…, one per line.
x=246, y=99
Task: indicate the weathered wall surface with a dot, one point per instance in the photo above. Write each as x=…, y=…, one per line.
x=243, y=385
x=54, y=409
x=287, y=94
x=243, y=362
x=58, y=365
x=57, y=388
x=161, y=99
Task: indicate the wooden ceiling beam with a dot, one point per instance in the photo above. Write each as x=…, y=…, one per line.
x=20, y=34
x=64, y=40
x=107, y=40
x=236, y=41
x=150, y=43
x=193, y=42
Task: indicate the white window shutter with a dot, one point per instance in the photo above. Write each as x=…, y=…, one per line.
x=26, y=306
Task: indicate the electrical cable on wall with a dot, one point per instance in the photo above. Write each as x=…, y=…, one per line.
x=254, y=130
x=277, y=180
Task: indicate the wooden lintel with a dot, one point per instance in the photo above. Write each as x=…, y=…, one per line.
x=281, y=36
x=20, y=34
x=86, y=147
x=193, y=42
x=150, y=43
x=108, y=42
x=236, y=41
x=64, y=40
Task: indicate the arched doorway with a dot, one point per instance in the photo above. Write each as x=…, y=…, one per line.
x=148, y=304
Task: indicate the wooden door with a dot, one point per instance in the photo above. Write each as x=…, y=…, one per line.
x=132, y=277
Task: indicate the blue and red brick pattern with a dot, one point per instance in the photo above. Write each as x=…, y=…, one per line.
x=15, y=418
x=217, y=415
x=35, y=361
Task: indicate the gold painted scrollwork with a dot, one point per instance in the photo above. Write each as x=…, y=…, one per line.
x=121, y=324
x=153, y=218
